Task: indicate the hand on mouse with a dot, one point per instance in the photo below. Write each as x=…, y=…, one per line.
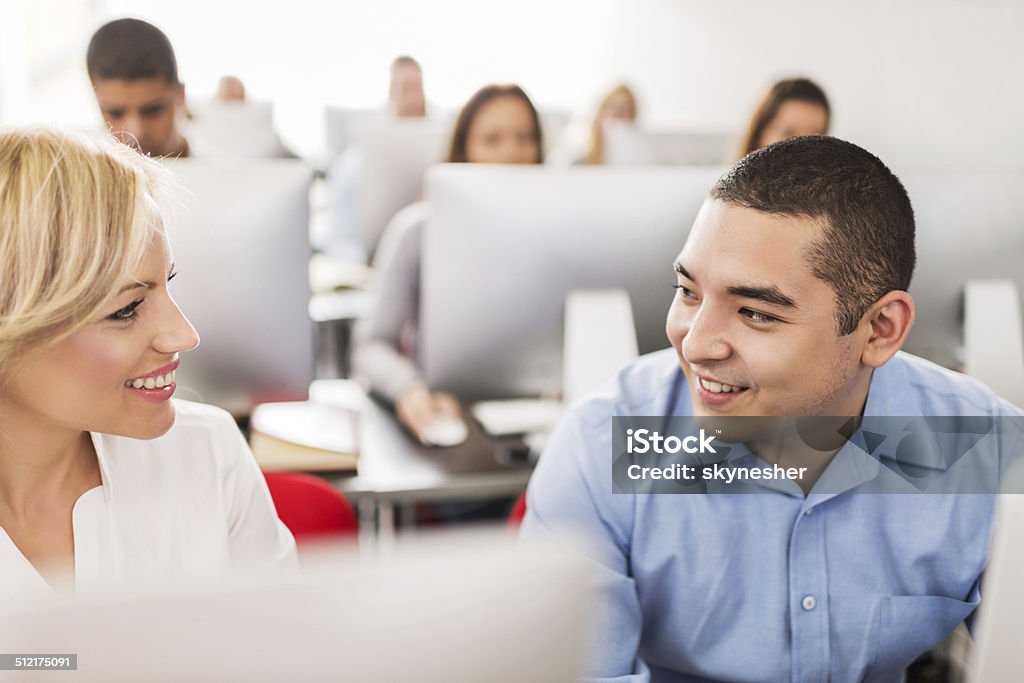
x=423, y=412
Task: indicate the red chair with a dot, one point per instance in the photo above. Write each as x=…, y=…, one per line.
x=515, y=518
x=310, y=507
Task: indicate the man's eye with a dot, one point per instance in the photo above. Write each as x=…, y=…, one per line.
x=685, y=291
x=155, y=111
x=757, y=316
x=114, y=114
x=128, y=312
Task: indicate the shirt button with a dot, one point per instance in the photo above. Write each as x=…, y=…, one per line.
x=808, y=512
x=808, y=603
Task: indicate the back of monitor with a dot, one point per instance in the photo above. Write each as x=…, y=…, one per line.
x=969, y=226
x=242, y=129
x=505, y=245
x=448, y=611
x=627, y=145
x=996, y=656
x=240, y=241
x=396, y=154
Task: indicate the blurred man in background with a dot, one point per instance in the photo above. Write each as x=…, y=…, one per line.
x=406, y=92
x=134, y=75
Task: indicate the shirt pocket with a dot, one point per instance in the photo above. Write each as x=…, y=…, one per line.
x=910, y=625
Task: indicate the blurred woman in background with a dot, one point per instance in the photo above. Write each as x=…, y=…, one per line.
x=498, y=125
x=618, y=105
x=790, y=108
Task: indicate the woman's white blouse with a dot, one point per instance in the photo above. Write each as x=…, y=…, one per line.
x=191, y=504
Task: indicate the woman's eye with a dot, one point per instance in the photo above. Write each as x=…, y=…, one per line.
x=685, y=291
x=128, y=312
x=757, y=316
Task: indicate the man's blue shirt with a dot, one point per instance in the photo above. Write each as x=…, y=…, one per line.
x=763, y=587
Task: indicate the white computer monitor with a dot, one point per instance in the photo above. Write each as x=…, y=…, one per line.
x=444, y=611
x=241, y=248
x=552, y=124
x=242, y=129
x=396, y=154
x=996, y=656
x=504, y=245
x=344, y=126
x=969, y=225
x=629, y=145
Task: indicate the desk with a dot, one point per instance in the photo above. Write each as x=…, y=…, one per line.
x=393, y=470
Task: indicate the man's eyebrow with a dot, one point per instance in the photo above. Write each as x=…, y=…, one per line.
x=769, y=295
x=683, y=271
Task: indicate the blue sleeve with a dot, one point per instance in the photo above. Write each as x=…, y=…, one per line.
x=570, y=502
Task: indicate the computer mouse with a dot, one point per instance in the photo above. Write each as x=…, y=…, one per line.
x=446, y=433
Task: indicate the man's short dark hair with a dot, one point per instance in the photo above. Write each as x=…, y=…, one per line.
x=867, y=245
x=131, y=50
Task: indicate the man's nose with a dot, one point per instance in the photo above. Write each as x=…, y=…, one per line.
x=706, y=339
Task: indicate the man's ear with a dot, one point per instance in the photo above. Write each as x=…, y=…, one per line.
x=889, y=320
x=180, y=103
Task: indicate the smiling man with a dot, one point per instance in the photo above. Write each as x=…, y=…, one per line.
x=791, y=301
x=134, y=75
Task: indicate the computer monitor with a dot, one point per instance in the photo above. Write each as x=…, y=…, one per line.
x=996, y=656
x=505, y=244
x=344, y=126
x=969, y=225
x=243, y=129
x=552, y=125
x=240, y=241
x=627, y=145
x=396, y=154
x=445, y=611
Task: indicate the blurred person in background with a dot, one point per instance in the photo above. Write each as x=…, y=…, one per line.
x=231, y=89
x=103, y=477
x=406, y=100
x=406, y=90
x=618, y=105
x=134, y=76
x=791, y=108
x=499, y=125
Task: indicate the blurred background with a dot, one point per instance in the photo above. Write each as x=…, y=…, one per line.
x=922, y=83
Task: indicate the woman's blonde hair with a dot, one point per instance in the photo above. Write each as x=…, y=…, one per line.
x=74, y=225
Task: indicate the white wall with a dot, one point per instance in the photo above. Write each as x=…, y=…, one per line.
x=922, y=83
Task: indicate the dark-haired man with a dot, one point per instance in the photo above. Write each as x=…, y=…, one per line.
x=791, y=301
x=134, y=75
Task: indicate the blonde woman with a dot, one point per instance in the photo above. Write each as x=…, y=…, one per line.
x=618, y=105
x=103, y=477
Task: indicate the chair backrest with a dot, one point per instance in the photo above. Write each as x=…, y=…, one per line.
x=515, y=518
x=309, y=506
